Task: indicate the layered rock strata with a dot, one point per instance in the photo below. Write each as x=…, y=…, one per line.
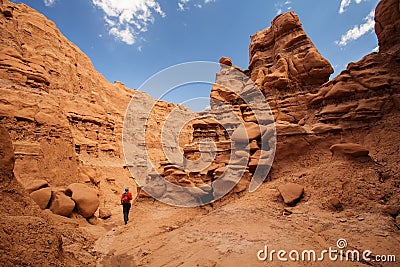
x=65, y=119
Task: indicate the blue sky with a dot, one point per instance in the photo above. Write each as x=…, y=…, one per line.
x=131, y=40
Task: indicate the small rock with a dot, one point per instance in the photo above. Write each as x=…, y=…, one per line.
x=335, y=204
x=104, y=213
x=93, y=220
x=291, y=192
x=343, y=220
x=354, y=150
x=286, y=212
x=360, y=219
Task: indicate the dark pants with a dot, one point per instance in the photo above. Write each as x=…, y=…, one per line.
x=125, y=208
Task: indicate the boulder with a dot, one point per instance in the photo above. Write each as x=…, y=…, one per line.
x=246, y=132
x=104, y=213
x=335, y=204
x=226, y=61
x=291, y=193
x=42, y=197
x=86, y=198
x=61, y=204
x=92, y=220
x=36, y=185
x=351, y=149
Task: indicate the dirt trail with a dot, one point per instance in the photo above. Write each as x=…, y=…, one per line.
x=231, y=235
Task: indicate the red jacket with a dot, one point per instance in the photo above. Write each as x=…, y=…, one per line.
x=129, y=197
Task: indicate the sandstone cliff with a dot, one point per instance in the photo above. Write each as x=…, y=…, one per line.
x=63, y=115
x=64, y=118
x=315, y=117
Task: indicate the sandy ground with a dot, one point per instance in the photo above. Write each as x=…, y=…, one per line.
x=232, y=234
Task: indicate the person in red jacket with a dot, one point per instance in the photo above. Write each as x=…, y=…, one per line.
x=126, y=204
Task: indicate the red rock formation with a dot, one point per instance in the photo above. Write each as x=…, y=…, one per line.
x=283, y=57
x=58, y=108
x=28, y=236
x=387, y=25
x=311, y=116
x=367, y=89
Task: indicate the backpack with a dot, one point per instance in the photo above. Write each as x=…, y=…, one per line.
x=125, y=198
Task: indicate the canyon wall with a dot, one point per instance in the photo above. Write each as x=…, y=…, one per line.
x=65, y=119
x=345, y=128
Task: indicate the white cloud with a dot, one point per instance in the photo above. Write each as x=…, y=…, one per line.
x=358, y=30
x=127, y=18
x=346, y=3
x=343, y=5
x=49, y=2
x=280, y=6
x=181, y=7
x=125, y=35
x=184, y=4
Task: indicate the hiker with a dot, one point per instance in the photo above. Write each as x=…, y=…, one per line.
x=126, y=204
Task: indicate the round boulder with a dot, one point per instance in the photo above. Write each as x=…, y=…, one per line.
x=86, y=198
x=61, y=204
x=42, y=197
